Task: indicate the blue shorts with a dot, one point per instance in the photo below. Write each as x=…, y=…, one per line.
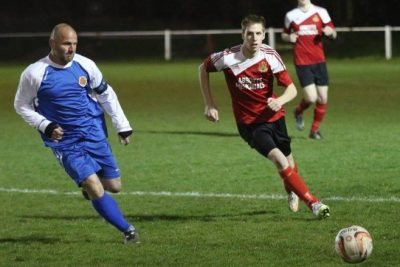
x=85, y=158
x=309, y=74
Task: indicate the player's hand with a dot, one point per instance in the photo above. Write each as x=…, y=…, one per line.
x=211, y=113
x=274, y=104
x=124, y=137
x=293, y=37
x=57, y=134
x=54, y=132
x=328, y=31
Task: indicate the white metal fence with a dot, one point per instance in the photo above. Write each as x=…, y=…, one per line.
x=168, y=35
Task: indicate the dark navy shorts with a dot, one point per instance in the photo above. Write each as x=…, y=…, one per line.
x=309, y=74
x=85, y=158
x=264, y=137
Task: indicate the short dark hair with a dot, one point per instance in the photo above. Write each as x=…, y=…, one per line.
x=250, y=19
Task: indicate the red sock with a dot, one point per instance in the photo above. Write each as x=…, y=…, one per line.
x=303, y=105
x=319, y=114
x=298, y=185
x=287, y=186
x=295, y=168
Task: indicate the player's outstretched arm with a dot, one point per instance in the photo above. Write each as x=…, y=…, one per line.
x=210, y=110
x=109, y=102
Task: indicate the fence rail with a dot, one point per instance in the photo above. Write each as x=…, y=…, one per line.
x=168, y=35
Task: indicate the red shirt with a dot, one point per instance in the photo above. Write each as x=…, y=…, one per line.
x=308, y=25
x=250, y=81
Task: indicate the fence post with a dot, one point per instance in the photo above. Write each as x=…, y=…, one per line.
x=388, y=42
x=271, y=37
x=167, y=45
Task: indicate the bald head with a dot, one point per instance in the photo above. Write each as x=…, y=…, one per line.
x=59, y=29
x=63, y=41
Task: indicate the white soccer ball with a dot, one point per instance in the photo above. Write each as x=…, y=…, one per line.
x=353, y=244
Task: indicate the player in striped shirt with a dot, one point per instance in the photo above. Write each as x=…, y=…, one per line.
x=304, y=27
x=63, y=96
x=250, y=69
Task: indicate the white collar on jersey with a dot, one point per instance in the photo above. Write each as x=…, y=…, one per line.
x=245, y=62
x=58, y=66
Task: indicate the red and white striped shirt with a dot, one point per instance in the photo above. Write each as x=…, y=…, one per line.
x=250, y=81
x=308, y=25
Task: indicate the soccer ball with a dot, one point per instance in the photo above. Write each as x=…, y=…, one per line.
x=353, y=244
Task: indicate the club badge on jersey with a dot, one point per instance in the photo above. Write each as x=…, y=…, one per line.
x=263, y=67
x=315, y=18
x=82, y=81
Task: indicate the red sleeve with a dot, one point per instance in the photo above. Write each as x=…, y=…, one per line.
x=330, y=24
x=209, y=66
x=287, y=30
x=283, y=78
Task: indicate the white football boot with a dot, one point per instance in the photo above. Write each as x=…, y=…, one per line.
x=293, y=202
x=321, y=211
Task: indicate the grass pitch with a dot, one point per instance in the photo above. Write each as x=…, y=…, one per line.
x=198, y=195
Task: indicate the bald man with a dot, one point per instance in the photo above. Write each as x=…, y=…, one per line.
x=64, y=96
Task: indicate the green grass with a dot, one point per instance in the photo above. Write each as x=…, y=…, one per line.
x=354, y=169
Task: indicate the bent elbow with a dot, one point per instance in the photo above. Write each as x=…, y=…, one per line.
x=293, y=89
x=17, y=107
x=294, y=92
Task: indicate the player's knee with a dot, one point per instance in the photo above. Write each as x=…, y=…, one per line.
x=278, y=158
x=93, y=187
x=310, y=93
x=322, y=100
x=312, y=99
x=113, y=186
x=114, y=189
